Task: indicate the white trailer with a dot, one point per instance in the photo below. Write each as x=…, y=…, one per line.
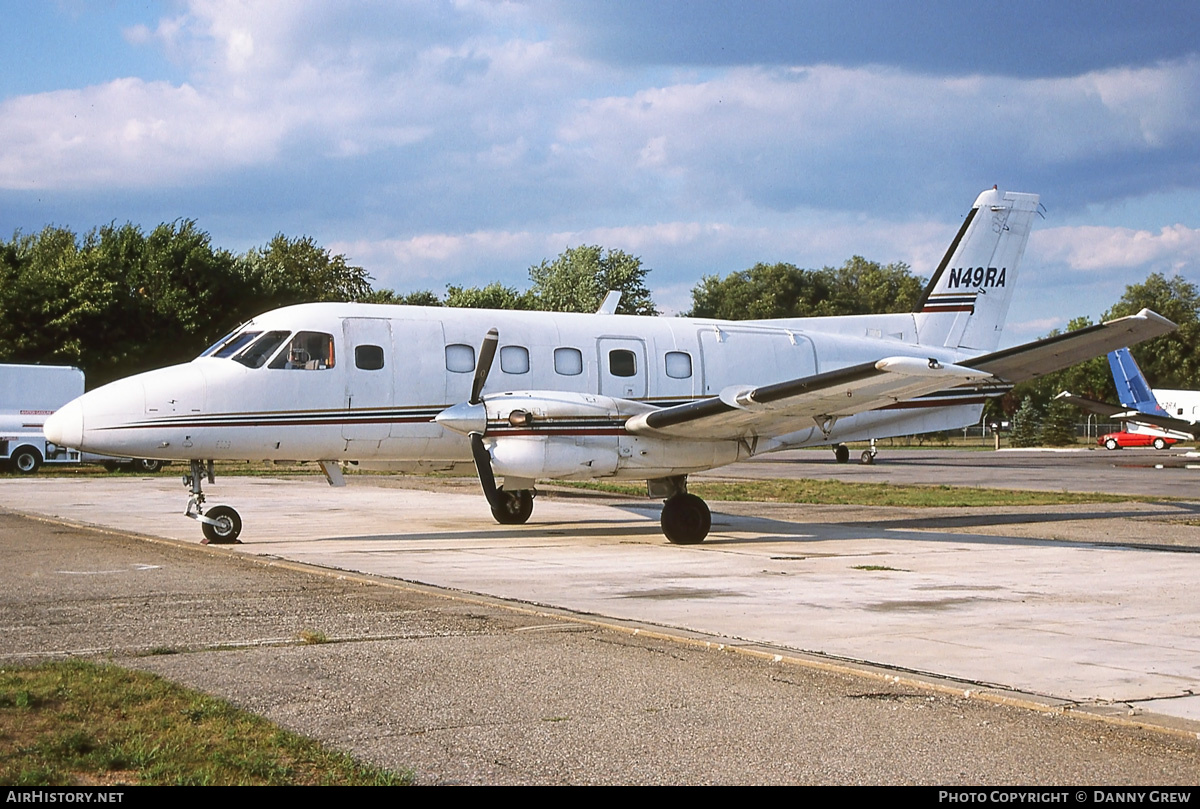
x=28, y=395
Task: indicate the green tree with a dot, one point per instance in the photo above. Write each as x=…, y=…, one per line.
x=580, y=277
x=492, y=296
x=422, y=297
x=1058, y=429
x=1090, y=378
x=1173, y=360
x=119, y=301
x=862, y=287
x=288, y=271
x=767, y=291
x=1026, y=425
x=761, y=292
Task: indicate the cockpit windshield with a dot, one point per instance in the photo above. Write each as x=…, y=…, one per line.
x=305, y=350
x=261, y=349
x=232, y=345
x=212, y=349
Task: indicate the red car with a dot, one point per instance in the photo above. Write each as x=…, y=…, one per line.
x=1123, y=440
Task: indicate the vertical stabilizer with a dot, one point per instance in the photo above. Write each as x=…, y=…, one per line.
x=1132, y=388
x=967, y=299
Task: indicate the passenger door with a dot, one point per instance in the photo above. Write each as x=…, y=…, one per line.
x=369, y=378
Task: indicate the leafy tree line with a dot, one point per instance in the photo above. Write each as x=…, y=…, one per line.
x=117, y=300
x=576, y=281
x=1171, y=361
x=858, y=287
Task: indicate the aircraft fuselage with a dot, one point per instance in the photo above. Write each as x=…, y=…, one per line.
x=373, y=378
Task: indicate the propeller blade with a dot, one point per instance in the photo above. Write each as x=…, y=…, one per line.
x=483, y=467
x=487, y=353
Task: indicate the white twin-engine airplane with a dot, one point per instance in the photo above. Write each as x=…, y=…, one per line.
x=585, y=396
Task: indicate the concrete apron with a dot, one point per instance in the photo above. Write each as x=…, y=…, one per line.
x=1088, y=624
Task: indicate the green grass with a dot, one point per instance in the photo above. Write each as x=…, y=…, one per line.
x=834, y=492
x=79, y=723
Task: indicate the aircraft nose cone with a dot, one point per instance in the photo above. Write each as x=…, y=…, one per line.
x=463, y=418
x=65, y=427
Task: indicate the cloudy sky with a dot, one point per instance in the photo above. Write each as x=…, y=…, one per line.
x=459, y=143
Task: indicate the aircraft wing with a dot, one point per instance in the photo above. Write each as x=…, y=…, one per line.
x=772, y=409
x=1035, y=359
x=1122, y=413
x=741, y=412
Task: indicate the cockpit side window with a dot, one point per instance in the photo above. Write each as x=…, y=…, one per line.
x=308, y=351
x=261, y=349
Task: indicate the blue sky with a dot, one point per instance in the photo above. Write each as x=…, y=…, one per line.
x=459, y=143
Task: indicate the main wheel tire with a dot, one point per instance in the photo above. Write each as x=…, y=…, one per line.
x=26, y=461
x=112, y=466
x=686, y=519
x=227, y=529
x=514, y=508
x=1160, y=443
x=1111, y=444
x=147, y=465
x=841, y=453
x=867, y=457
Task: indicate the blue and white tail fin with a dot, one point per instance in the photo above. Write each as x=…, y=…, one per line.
x=1132, y=388
x=967, y=299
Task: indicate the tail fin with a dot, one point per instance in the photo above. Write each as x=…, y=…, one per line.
x=1132, y=388
x=967, y=299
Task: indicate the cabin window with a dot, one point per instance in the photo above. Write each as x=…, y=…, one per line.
x=231, y=347
x=368, y=358
x=568, y=361
x=460, y=358
x=514, y=360
x=679, y=364
x=622, y=362
x=307, y=351
x=261, y=349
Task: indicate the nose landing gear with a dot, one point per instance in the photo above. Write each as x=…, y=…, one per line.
x=221, y=525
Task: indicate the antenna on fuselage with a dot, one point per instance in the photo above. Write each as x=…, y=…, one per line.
x=609, y=305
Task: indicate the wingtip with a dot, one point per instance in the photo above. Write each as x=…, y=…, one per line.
x=1148, y=315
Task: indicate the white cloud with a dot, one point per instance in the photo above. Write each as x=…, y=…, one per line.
x=127, y=133
x=1091, y=249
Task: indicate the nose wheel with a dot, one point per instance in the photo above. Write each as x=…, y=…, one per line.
x=221, y=524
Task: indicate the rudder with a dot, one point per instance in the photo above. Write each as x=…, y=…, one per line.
x=1132, y=388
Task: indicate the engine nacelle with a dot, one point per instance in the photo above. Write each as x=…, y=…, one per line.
x=579, y=436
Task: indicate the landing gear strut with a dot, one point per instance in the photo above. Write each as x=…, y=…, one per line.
x=221, y=525
x=868, y=455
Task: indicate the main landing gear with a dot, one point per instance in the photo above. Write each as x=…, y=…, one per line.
x=221, y=525
x=685, y=517
x=841, y=453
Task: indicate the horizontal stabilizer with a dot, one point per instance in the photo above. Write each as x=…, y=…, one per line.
x=1122, y=413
